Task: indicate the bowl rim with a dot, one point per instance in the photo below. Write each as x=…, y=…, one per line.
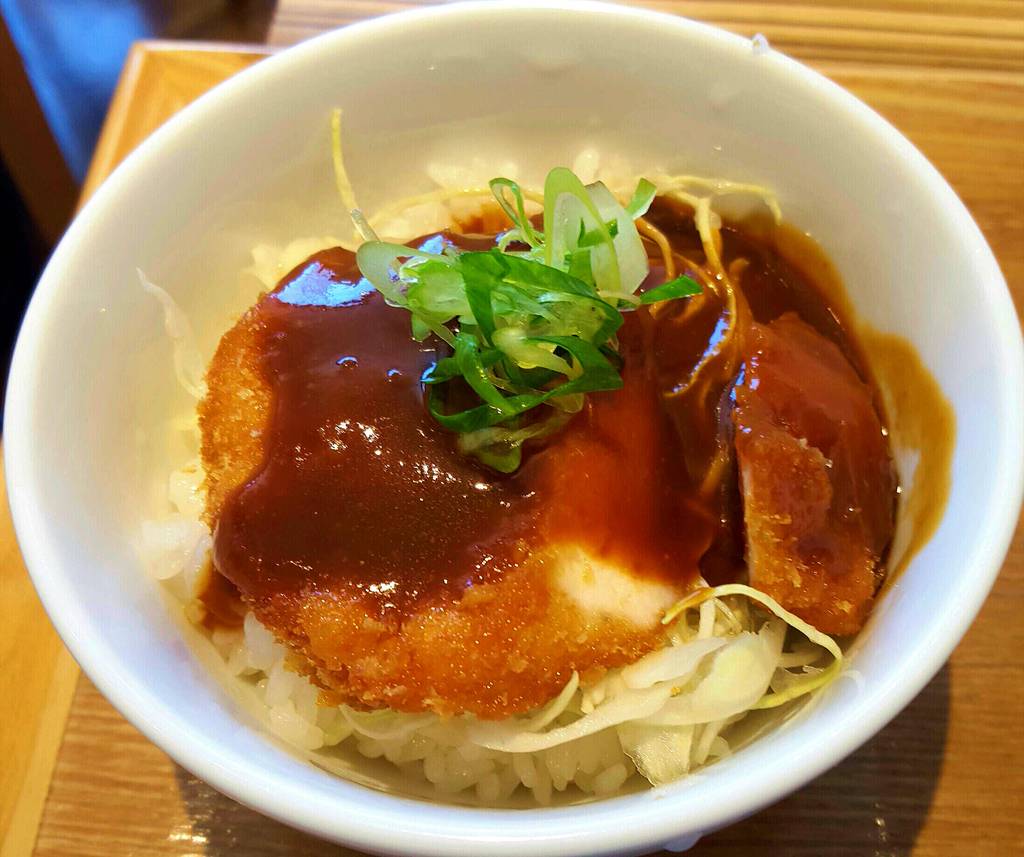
x=390, y=824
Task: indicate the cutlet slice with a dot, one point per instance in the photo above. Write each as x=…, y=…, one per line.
x=815, y=475
x=490, y=643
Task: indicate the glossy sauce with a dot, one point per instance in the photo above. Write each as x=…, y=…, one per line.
x=919, y=420
x=778, y=271
x=361, y=493
x=358, y=481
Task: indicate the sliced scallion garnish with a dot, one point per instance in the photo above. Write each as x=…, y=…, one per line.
x=532, y=322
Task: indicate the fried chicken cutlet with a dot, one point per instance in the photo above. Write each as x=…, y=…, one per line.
x=401, y=573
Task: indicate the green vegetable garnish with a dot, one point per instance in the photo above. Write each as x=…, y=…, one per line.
x=531, y=326
x=680, y=287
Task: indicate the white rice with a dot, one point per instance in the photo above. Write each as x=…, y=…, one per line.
x=444, y=754
x=423, y=746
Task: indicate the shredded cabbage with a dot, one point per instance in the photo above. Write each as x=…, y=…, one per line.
x=385, y=725
x=669, y=708
x=345, y=191
x=625, y=706
x=673, y=663
x=188, y=362
x=738, y=676
x=814, y=679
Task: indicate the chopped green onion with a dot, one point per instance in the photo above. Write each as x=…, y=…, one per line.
x=569, y=212
x=529, y=354
x=595, y=236
x=502, y=448
x=471, y=366
x=680, y=287
x=524, y=230
x=643, y=196
x=626, y=254
x=531, y=328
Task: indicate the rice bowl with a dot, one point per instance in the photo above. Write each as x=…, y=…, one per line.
x=722, y=789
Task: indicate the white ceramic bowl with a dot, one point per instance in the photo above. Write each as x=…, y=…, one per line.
x=91, y=386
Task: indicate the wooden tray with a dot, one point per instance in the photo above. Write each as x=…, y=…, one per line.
x=945, y=778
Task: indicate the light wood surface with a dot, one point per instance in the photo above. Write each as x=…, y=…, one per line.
x=37, y=680
x=976, y=34
x=945, y=778
x=39, y=676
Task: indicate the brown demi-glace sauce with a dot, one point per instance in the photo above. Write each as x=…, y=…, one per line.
x=360, y=490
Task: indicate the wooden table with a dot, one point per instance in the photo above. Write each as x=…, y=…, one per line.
x=945, y=778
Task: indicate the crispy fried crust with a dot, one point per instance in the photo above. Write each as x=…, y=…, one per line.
x=816, y=477
x=502, y=648
x=233, y=414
